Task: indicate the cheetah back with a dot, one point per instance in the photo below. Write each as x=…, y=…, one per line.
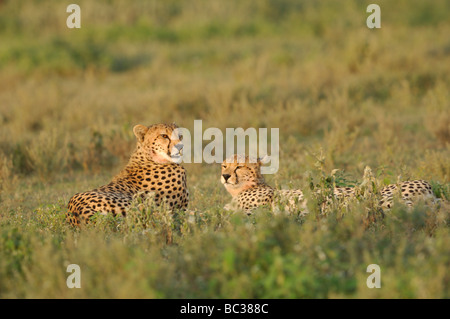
x=256, y=196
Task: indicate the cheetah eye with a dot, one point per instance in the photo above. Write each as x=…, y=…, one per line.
x=165, y=136
x=180, y=137
x=224, y=166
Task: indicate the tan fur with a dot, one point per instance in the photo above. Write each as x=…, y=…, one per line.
x=410, y=192
x=242, y=178
x=247, y=187
x=152, y=169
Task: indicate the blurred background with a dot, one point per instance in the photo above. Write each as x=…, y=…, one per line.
x=70, y=97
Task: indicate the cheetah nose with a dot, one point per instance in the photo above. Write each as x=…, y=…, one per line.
x=179, y=146
x=226, y=176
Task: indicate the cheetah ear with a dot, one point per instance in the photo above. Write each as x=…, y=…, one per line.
x=140, y=131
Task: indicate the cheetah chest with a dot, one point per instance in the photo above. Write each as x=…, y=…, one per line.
x=166, y=182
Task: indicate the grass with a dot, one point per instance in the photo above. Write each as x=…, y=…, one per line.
x=344, y=97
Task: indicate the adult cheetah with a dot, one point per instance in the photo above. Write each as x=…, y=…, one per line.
x=152, y=169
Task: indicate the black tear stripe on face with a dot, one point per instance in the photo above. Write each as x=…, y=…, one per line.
x=165, y=136
x=237, y=177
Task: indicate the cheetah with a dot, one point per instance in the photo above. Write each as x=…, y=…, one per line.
x=410, y=192
x=242, y=178
x=152, y=170
x=244, y=181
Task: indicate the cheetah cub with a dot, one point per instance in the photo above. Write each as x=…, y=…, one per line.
x=244, y=181
x=152, y=170
x=409, y=191
x=242, y=178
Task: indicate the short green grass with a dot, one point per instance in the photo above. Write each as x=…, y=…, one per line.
x=343, y=96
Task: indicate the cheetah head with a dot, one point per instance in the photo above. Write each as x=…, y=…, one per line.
x=160, y=143
x=240, y=173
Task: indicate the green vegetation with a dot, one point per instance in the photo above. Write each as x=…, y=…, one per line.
x=343, y=96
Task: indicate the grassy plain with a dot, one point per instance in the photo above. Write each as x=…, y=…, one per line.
x=343, y=96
